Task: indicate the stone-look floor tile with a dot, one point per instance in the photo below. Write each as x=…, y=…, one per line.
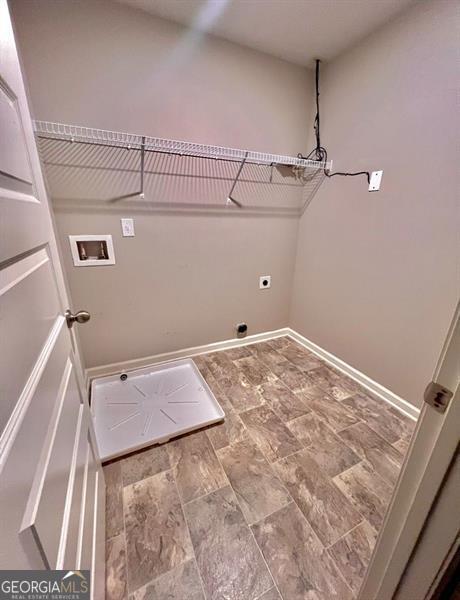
x=157, y=538
x=114, y=499
x=238, y=352
x=202, y=363
x=228, y=558
x=219, y=394
x=352, y=554
x=258, y=490
x=279, y=342
x=290, y=375
x=254, y=371
x=181, y=583
x=270, y=595
x=302, y=428
x=382, y=421
x=333, y=412
x=268, y=355
x=301, y=567
x=402, y=445
x=143, y=464
x=282, y=401
x=350, y=386
x=195, y=465
x=115, y=560
x=328, y=381
x=407, y=425
x=230, y=431
x=300, y=357
x=385, y=460
x=240, y=392
x=244, y=396
x=329, y=450
x=271, y=434
x=223, y=369
x=328, y=511
x=368, y=491
x=338, y=385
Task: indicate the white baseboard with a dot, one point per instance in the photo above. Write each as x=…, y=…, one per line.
x=137, y=363
x=378, y=390
x=368, y=383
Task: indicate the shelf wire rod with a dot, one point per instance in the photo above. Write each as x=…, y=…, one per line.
x=135, y=146
x=235, y=181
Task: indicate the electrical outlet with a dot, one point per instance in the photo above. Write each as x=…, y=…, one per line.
x=127, y=227
x=265, y=282
x=376, y=178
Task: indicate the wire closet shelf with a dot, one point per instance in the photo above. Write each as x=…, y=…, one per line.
x=304, y=171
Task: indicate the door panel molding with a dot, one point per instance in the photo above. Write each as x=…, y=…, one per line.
x=45, y=423
x=12, y=427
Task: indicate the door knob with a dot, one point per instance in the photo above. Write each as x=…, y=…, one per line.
x=82, y=316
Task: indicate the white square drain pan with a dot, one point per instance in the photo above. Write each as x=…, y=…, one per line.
x=151, y=406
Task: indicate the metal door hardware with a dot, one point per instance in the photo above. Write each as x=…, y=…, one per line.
x=82, y=316
x=437, y=396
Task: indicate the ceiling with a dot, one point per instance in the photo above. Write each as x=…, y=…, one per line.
x=296, y=30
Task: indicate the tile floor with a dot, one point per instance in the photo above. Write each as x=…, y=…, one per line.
x=282, y=501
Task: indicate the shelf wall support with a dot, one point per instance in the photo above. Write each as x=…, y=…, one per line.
x=141, y=193
x=235, y=181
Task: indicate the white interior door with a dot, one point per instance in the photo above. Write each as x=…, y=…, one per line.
x=51, y=483
x=420, y=529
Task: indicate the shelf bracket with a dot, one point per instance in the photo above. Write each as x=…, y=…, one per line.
x=235, y=181
x=141, y=193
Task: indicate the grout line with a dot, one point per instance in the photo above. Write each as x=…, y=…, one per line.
x=278, y=460
x=221, y=487
x=346, y=533
x=124, y=532
x=349, y=468
x=340, y=574
x=254, y=538
x=182, y=500
x=338, y=567
x=197, y=567
x=274, y=511
x=190, y=536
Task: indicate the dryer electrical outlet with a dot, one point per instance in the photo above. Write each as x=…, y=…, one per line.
x=265, y=282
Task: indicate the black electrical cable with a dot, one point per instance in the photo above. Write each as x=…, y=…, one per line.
x=319, y=151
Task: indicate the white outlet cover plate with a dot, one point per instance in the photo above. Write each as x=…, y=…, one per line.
x=376, y=179
x=127, y=227
x=265, y=281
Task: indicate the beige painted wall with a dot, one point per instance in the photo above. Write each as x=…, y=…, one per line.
x=377, y=277
x=188, y=276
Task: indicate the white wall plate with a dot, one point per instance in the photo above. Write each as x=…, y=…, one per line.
x=265, y=281
x=97, y=253
x=376, y=179
x=127, y=227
